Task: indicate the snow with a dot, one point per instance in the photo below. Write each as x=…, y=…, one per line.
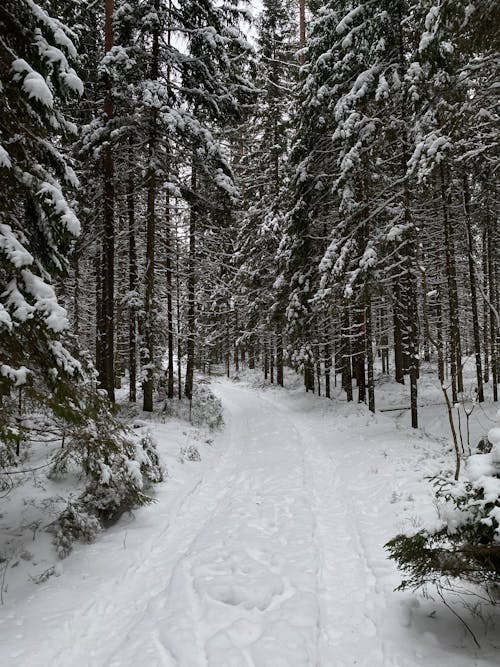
x=54, y=197
x=11, y=246
x=34, y=85
x=45, y=301
x=267, y=553
x=5, y=158
x=18, y=376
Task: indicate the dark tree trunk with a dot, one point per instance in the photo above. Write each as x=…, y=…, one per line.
x=170, y=311
x=132, y=283
x=279, y=359
x=327, y=355
x=106, y=321
x=178, y=313
x=492, y=305
x=369, y=354
x=473, y=291
x=454, y=324
x=191, y=285
x=410, y=281
x=271, y=359
x=151, y=181
x=398, y=337
x=346, y=354
x=486, y=309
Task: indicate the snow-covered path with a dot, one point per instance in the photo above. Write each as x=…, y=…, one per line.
x=271, y=558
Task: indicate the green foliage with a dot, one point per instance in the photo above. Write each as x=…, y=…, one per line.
x=204, y=410
x=118, y=466
x=465, y=546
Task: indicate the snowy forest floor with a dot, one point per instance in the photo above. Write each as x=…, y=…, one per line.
x=266, y=553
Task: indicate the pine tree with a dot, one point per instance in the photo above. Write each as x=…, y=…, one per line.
x=38, y=224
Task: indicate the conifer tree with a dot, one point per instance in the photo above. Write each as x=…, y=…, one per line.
x=37, y=222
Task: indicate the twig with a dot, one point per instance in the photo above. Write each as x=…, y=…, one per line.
x=21, y=472
x=459, y=618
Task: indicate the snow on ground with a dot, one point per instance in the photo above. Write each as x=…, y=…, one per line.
x=267, y=553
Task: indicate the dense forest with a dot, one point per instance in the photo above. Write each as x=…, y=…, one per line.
x=192, y=186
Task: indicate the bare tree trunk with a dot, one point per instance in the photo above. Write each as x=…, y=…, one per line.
x=178, y=314
x=369, y=353
x=151, y=180
x=191, y=285
x=327, y=355
x=107, y=333
x=302, y=27
x=251, y=356
x=279, y=359
x=132, y=283
x=486, y=328
x=411, y=250
x=360, y=348
x=455, y=355
x=99, y=309
x=271, y=358
x=170, y=311
x=473, y=291
x=228, y=348
x=346, y=354
x=398, y=336
x=492, y=299
x=236, y=354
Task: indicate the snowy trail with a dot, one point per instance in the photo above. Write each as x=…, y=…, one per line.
x=272, y=558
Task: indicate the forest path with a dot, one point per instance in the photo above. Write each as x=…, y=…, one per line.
x=272, y=558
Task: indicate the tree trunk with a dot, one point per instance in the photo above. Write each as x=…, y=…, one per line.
x=346, y=354
x=410, y=286
x=178, y=313
x=398, y=337
x=451, y=278
x=327, y=355
x=492, y=305
x=132, y=283
x=369, y=353
x=279, y=359
x=486, y=309
x=106, y=365
x=473, y=291
x=170, y=311
x=151, y=180
x=191, y=285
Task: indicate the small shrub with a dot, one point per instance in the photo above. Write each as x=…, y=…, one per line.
x=465, y=545
x=206, y=408
x=74, y=523
x=190, y=453
x=118, y=465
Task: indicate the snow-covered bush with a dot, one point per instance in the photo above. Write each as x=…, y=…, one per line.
x=204, y=410
x=465, y=543
x=190, y=453
x=118, y=466
x=75, y=523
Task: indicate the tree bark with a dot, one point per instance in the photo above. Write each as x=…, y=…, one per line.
x=107, y=333
x=473, y=290
x=279, y=359
x=151, y=180
x=170, y=312
x=451, y=279
x=191, y=286
x=132, y=281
